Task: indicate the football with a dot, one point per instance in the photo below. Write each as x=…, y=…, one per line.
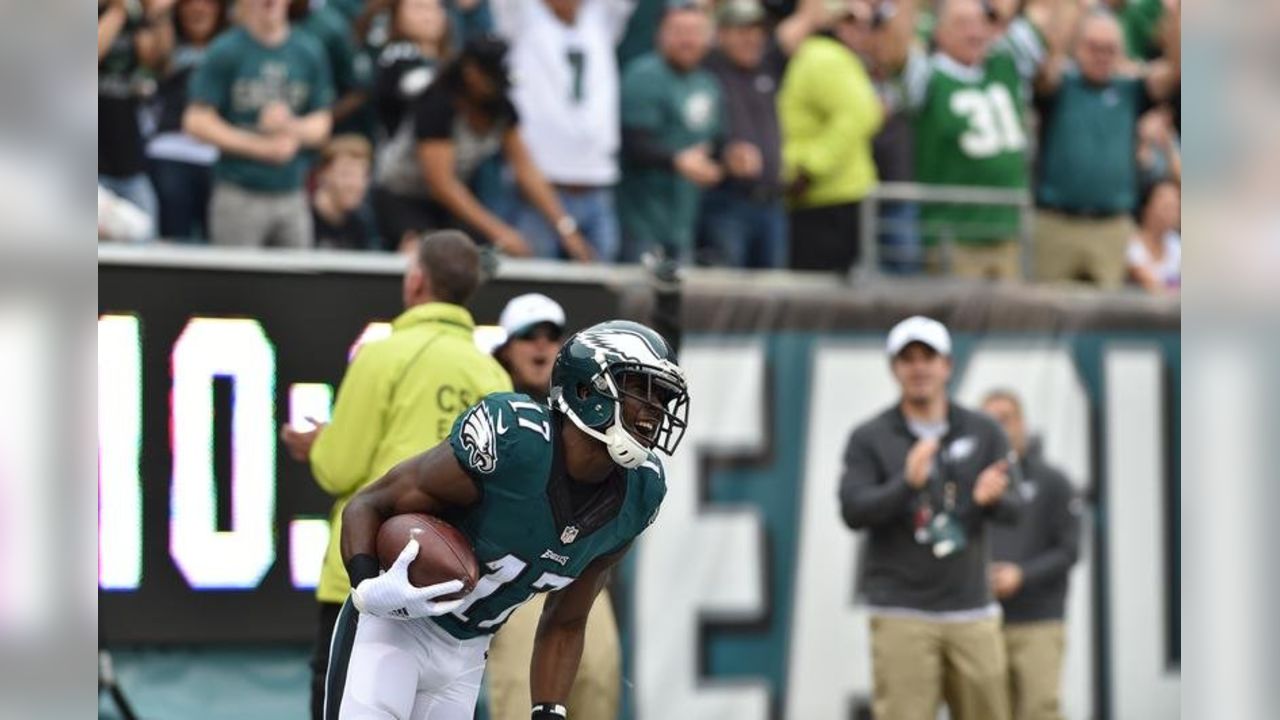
x=444, y=553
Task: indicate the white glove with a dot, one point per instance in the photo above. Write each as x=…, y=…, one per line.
x=390, y=595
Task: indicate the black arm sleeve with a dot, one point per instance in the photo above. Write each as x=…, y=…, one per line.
x=361, y=568
x=866, y=497
x=643, y=149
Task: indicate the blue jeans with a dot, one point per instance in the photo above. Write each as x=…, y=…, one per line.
x=901, y=252
x=592, y=210
x=736, y=231
x=184, y=189
x=136, y=189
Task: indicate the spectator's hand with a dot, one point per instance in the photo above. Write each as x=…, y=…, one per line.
x=275, y=117
x=919, y=460
x=799, y=185
x=1006, y=579
x=743, y=160
x=1154, y=128
x=298, y=442
x=280, y=148
x=578, y=248
x=991, y=483
x=697, y=167
x=156, y=9
x=510, y=241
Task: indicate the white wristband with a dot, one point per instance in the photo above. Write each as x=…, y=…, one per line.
x=566, y=225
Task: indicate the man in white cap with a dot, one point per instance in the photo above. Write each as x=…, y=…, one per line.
x=534, y=326
x=923, y=478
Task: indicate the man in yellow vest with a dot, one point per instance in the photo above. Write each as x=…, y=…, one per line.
x=399, y=396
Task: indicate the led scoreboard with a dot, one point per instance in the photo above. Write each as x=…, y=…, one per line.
x=207, y=530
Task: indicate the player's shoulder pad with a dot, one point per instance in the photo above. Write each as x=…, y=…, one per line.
x=504, y=431
x=651, y=478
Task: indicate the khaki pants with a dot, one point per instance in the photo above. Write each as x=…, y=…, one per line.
x=994, y=261
x=1035, y=668
x=244, y=218
x=595, y=690
x=916, y=664
x=1071, y=249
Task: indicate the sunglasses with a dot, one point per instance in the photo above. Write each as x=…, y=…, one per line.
x=542, y=331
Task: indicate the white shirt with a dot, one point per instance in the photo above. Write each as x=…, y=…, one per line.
x=1168, y=269
x=565, y=86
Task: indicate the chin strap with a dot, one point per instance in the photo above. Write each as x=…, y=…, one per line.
x=623, y=449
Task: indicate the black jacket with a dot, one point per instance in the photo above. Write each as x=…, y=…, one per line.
x=897, y=571
x=1045, y=541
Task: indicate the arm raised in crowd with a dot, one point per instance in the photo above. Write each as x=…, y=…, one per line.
x=800, y=24
x=110, y=22
x=1058, y=23
x=156, y=40
x=895, y=33
x=1164, y=76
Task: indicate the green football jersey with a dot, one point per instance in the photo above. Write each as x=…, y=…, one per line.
x=526, y=535
x=970, y=130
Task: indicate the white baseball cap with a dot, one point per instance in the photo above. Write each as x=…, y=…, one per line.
x=525, y=311
x=921, y=329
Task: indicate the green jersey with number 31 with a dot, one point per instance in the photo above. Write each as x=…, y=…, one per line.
x=528, y=534
x=970, y=131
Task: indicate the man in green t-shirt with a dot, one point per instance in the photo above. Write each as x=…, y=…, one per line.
x=262, y=95
x=671, y=121
x=968, y=101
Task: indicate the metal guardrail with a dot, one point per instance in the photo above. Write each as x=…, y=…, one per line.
x=869, y=217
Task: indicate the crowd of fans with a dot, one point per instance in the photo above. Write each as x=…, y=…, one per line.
x=743, y=133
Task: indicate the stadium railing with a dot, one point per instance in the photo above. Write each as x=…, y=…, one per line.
x=872, y=222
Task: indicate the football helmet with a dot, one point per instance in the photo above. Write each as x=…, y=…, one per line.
x=598, y=368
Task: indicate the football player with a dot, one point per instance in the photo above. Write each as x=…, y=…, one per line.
x=550, y=496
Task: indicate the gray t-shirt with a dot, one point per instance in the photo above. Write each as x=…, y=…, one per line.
x=751, y=113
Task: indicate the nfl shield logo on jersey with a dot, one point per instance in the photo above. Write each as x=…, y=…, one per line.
x=569, y=535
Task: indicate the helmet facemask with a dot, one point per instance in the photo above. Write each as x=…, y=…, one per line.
x=658, y=411
x=650, y=411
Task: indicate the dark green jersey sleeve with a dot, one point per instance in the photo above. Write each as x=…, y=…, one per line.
x=321, y=75
x=651, y=479
x=642, y=96
x=503, y=439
